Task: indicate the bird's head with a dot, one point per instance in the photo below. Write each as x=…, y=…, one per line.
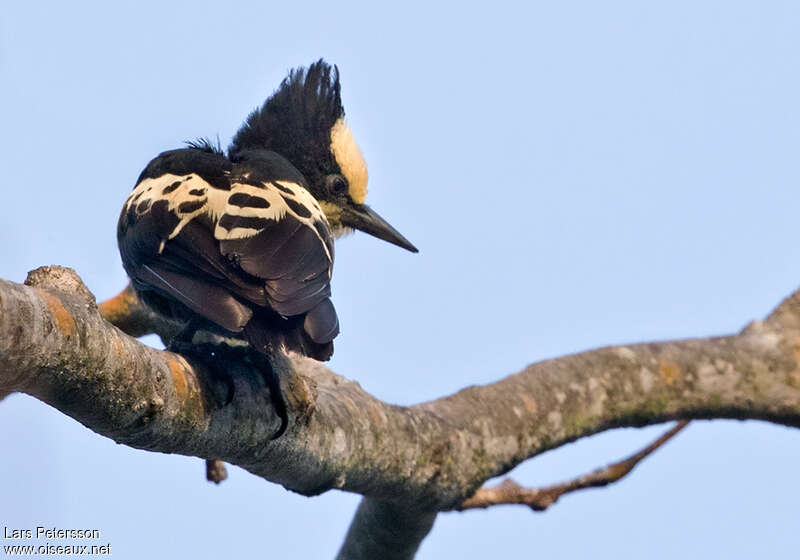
x=304, y=122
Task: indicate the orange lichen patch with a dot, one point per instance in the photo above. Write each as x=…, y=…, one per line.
x=179, y=381
x=118, y=306
x=530, y=404
x=669, y=372
x=62, y=318
x=187, y=389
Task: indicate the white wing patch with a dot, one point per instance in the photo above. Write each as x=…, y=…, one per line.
x=249, y=209
x=187, y=197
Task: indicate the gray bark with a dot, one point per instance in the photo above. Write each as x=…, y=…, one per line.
x=408, y=462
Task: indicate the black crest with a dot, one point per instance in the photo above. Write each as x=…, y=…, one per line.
x=296, y=121
x=206, y=145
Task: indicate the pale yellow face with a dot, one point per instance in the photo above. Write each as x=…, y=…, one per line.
x=333, y=214
x=348, y=156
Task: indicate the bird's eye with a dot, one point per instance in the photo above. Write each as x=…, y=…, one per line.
x=337, y=184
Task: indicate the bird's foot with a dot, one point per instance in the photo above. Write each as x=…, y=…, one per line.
x=260, y=362
x=221, y=359
x=214, y=358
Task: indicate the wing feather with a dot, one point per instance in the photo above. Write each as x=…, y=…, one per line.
x=287, y=243
x=230, y=242
x=206, y=299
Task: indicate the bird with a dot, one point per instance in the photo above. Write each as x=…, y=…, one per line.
x=241, y=243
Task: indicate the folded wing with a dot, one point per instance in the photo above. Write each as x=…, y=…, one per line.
x=235, y=244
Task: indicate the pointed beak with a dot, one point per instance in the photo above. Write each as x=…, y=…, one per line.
x=364, y=218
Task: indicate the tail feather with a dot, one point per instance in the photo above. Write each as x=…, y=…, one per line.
x=265, y=337
x=321, y=323
x=311, y=336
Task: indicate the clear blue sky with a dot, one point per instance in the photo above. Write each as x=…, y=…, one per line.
x=575, y=174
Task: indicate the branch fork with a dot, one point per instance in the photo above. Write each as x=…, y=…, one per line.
x=408, y=462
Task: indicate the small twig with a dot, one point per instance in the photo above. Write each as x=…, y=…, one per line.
x=127, y=313
x=215, y=471
x=539, y=499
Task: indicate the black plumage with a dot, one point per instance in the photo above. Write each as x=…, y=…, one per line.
x=296, y=122
x=201, y=236
x=242, y=243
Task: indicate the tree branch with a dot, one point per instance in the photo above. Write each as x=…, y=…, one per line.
x=539, y=499
x=385, y=530
x=126, y=312
x=55, y=345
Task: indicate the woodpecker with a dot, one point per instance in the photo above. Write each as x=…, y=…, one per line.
x=242, y=243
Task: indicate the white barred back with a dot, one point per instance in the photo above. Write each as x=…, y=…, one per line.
x=187, y=197
x=249, y=209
